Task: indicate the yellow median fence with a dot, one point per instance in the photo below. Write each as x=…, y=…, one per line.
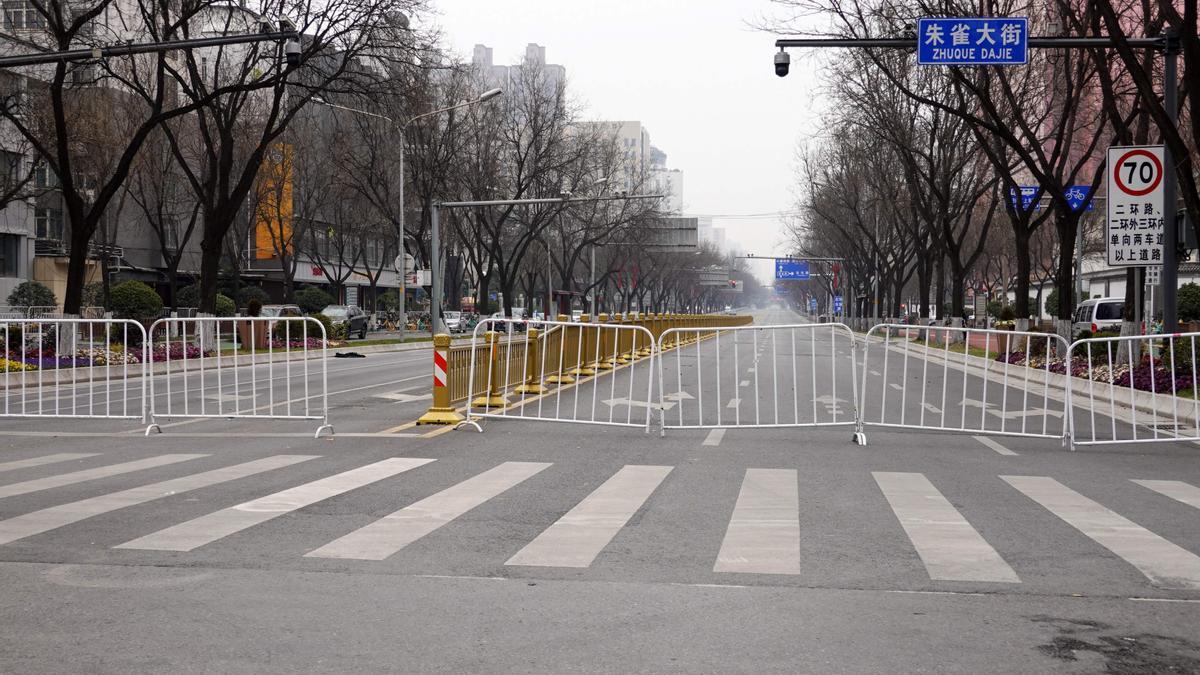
x=559, y=355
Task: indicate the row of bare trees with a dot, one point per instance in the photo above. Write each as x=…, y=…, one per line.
x=229, y=154
x=914, y=181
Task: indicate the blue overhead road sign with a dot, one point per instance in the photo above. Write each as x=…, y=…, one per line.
x=791, y=269
x=1077, y=196
x=982, y=41
x=837, y=304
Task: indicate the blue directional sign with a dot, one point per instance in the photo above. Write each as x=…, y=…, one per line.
x=791, y=269
x=1077, y=196
x=981, y=41
x=837, y=304
x=812, y=304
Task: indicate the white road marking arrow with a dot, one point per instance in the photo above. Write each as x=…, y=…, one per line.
x=679, y=396
x=613, y=402
x=734, y=402
x=830, y=403
x=931, y=408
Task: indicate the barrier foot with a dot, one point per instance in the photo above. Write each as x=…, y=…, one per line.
x=440, y=416
x=153, y=427
x=323, y=427
x=530, y=389
x=586, y=371
x=469, y=422
x=859, y=438
x=560, y=379
x=489, y=402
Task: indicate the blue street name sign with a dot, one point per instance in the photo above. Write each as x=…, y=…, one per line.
x=1077, y=196
x=812, y=304
x=981, y=41
x=791, y=269
x=837, y=304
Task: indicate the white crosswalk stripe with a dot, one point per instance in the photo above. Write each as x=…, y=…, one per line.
x=54, y=517
x=764, y=531
x=1175, y=489
x=214, y=526
x=1163, y=562
x=74, y=477
x=950, y=548
x=389, y=534
x=579, y=536
x=42, y=461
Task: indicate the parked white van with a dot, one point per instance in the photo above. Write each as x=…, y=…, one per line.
x=1098, y=314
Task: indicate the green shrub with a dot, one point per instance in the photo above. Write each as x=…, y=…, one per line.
x=325, y=321
x=312, y=299
x=225, y=306
x=249, y=293
x=32, y=294
x=188, y=296
x=1188, y=300
x=1052, y=302
x=135, y=300
x=294, y=329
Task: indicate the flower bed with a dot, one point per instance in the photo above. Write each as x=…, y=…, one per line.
x=310, y=343
x=10, y=366
x=177, y=351
x=1157, y=378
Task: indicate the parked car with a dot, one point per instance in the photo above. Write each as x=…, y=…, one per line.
x=729, y=309
x=454, y=321
x=282, y=311
x=1098, y=314
x=351, y=315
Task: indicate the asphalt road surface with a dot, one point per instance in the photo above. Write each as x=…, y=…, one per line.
x=248, y=546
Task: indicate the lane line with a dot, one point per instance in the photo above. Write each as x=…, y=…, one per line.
x=74, y=477
x=734, y=402
x=219, y=524
x=714, y=437
x=1161, y=561
x=950, y=548
x=1175, y=489
x=763, y=536
x=389, y=534
x=55, y=517
x=994, y=445
x=583, y=532
x=47, y=459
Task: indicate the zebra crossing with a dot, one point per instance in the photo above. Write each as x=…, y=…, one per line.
x=763, y=532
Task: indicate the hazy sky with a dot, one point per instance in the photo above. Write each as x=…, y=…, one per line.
x=693, y=72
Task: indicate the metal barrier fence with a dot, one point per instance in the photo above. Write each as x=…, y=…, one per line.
x=719, y=378
x=937, y=378
x=1144, y=387
x=78, y=368
x=583, y=372
x=244, y=367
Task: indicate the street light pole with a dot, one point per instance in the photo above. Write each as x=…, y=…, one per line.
x=401, y=268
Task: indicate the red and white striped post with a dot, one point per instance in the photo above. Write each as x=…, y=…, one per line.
x=441, y=412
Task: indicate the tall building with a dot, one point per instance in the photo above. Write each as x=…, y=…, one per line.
x=483, y=60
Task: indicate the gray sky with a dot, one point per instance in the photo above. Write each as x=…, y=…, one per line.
x=693, y=72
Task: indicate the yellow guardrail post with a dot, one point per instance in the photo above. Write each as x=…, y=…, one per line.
x=626, y=339
x=608, y=341
x=441, y=412
x=587, y=347
x=650, y=324
x=566, y=354
x=533, y=364
x=492, y=398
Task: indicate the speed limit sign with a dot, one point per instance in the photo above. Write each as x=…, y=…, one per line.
x=1135, y=206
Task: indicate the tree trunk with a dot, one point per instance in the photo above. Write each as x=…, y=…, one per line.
x=1024, y=267
x=210, y=267
x=76, y=269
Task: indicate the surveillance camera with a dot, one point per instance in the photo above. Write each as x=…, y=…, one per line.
x=565, y=194
x=782, y=62
x=286, y=25
x=291, y=51
x=265, y=26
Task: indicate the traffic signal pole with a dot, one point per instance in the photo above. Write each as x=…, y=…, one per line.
x=1167, y=44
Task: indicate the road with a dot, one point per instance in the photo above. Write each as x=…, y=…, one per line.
x=539, y=546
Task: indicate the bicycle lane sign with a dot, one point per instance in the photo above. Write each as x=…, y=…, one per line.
x=1134, y=234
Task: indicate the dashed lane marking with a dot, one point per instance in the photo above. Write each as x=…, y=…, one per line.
x=995, y=446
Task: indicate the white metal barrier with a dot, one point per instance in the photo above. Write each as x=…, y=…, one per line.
x=1134, y=389
x=243, y=367
x=719, y=378
x=964, y=379
x=585, y=372
x=78, y=368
